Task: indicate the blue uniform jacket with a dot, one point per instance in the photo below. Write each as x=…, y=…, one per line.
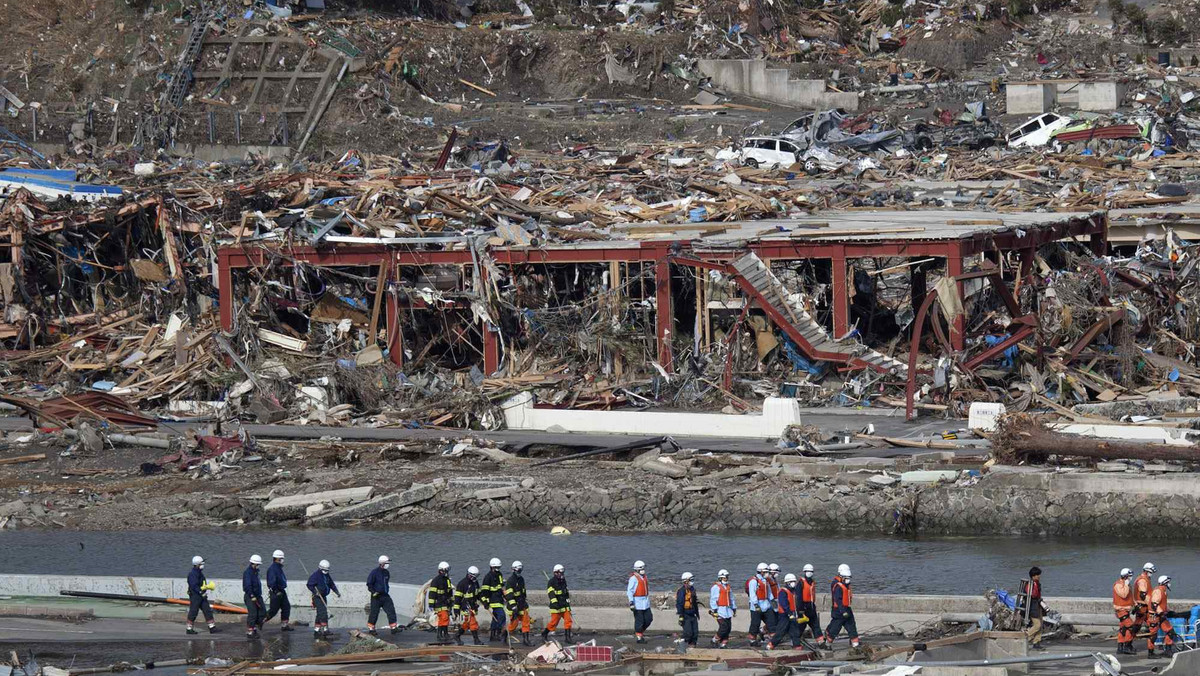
x=377, y=581
x=250, y=583
x=195, y=579
x=276, y=578
x=321, y=583
x=680, y=596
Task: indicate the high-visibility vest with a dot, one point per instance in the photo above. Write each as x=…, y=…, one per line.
x=841, y=593
x=643, y=585
x=788, y=606
x=808, y=591
x=760, y=588
x=723, y=595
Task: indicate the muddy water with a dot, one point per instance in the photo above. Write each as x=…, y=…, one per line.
x=1073, y=567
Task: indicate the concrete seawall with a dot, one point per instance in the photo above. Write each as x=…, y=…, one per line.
x=592, y=610
x=838, y=497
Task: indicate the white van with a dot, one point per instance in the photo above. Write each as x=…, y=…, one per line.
x=1038, y=131
x=768, y=151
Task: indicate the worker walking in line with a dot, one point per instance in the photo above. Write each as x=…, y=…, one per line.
x=1142, y=586
x=773, y=572
x=1123, y=608
x=198, y=587
x=377, y=585
x=760, y=600
x=808, y=605
x=320, y=583
x=466, y=605
x=277, y=590
x=256, y=610
x=1160, y=619
x=1037, y=609
x=687, y=607
x=790, y=620
x=517, y=598
x=841, y=615
x=637, y=590
x=439, y=600
x=723, y=608
x=491, y=591
x=560, y=603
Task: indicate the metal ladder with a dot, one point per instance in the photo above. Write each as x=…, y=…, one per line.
x=182, y=79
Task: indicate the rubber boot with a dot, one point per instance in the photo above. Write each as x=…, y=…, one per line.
x=458, y=636
x=286, y=627
x=525, y=638
x=396, y=629
x=212, y=629
x=475, y=635
x=568, y=636
x=190, y=630
x=372, y=631
x=545, y=636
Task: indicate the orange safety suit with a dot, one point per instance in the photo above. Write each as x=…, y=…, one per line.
x=1159, y=620
x=1142, y=586
x=1123, y=608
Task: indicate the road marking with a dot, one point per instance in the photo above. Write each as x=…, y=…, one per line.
x=57, y=631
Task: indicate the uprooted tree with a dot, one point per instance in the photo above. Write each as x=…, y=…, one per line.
x=1021, y=437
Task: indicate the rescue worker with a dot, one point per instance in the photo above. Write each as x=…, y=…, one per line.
x=808, y=605
x=1160, y=619
x=1123, y=608
x=560, y=603
x=760, y=600
x=517, y=598
x=1142, y=586
x=256, y=611
x=439, y=600
x=466, y=605
x=841, y=614
x=277, y=590
x=790, y=619
x=320, y=583
x=198, y=587
x=723, y=607
x=377, y=585
x=773, y=582
x=491, y=592
x=637, y=590
x=687, y=607
x=1037, y=609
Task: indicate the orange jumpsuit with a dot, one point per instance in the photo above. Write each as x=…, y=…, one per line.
x=1123, y=608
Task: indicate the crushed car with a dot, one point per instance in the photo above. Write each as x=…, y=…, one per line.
x=775, y=152
x=1038, y=131
x=835, y=129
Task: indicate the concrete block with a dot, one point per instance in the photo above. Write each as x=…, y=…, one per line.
x=927, y=477
x=933, y=456
x=665, y=469
x=13, y=508
x=811, y=471
x=1030, y=98
x=1101, y=96
x=342, y=496
x=495, y=493
x=793, y=460
x=417, y=493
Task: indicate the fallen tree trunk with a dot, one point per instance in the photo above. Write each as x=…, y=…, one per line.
x=1021, y=437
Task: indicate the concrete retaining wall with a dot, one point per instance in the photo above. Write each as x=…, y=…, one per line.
x=825, y=497
x=752, y=77
x=1035, y=98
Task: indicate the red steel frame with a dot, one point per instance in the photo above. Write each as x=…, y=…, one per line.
x=232, y=257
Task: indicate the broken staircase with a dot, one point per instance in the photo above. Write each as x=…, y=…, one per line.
x=759, y=283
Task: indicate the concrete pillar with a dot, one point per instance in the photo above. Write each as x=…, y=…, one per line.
x=840, y=297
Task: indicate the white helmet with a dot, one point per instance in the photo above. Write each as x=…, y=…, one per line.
x=789, y=578
x=722, y=573
x=808, y=568
x=384, y=560
x=638, y=565
x=686, y=576
x=494, y=563
x=774, y=568
x=444, y=566
x=278, y=554
x=197, y=560
x=1165, y=580
x=256, y=559
x=517, y=566
x=1149, y=568
x=558, y=568
x=844, y=570
x=1125, y=572
x=472, y=571
x=323, y=565
x=762, y=568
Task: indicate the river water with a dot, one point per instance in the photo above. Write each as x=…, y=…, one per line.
x=935, y=565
